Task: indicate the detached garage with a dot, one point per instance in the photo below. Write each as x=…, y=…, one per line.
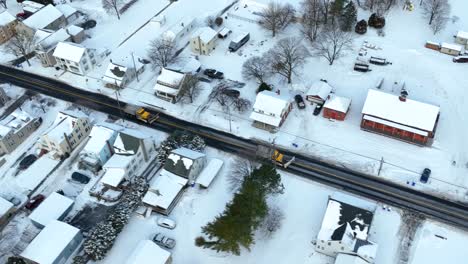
x=336, y=107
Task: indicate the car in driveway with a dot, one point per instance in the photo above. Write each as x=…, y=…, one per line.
x=212, y=73
x=34, y=202
x=425, y=175
x=299, y=101
x=317, y=109
x=79, y=177
x=27, y=161
x=461, y=59
x=164, y=241
x=166, y=222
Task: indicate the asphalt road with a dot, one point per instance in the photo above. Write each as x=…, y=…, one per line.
x=434, y=207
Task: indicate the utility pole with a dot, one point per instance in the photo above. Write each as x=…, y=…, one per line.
x=229, y=113
x=134, y=66
x=118, y=103
x=380, y=167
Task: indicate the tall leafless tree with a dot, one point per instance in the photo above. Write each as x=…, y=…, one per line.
x=287, y=56
x=190, y=88
x=240, y=169
x=437, y=12
x=112, y=6
x=326, y=11
x=332, y=43
x=241, y=104
x=275, y=17
x=311, y=18
x=21, y=44
x=162, y=52
x=255, y=68
x=272, y=221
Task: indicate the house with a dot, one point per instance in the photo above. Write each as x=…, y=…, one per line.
x=179, y=30
x=345, y=229
x=117, y=169
x=48, y=17
x=451, y=49
x=399, y=117
x=31, y=7
x=336, y=107
x=168, y=85
x=7, y=26
x=74, y=58
x=31, y=178
x=121, y=72
x=99, y=147
x=185, y=163
x=54, y=207
x=15, y=128
x=76, y=33
x=270, y=110
x=203, y=41
x=318, y=92
x=147, y=251
x=6, y=211
x=70, y=13
x=247, y=10
x=462, y=38
x=3, y=97
x=133, y=142
x=67, y=132
x=46, y=41
x=164, y=192
x=54, y=244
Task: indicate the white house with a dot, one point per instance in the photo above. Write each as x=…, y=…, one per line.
x=117, y=169
x=462, y=38
x=318, y=92
x=179, y=30
x=147, y=251
x=15, y=128
x=270, y=110
x=185, y=163
x=46, y=41
x=67, y=132
x=74, y=57
x=54, y=245
x=451, y=49
x=345, y=229
x=168, y=85
x=99, y=147
x=48, y=17
x=121, y=72
x=54, y=207
x=203, y=41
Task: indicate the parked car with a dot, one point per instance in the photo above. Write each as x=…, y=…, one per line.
x=79, y=177
x=166, y=222
x=164, y=241
x=231, y=93
x=425, y=175
x=35, y=202
x=27, y=161
x=299, y=101
x=212, y=73
x=22, y=15
x=317, y=109
x=461, y=59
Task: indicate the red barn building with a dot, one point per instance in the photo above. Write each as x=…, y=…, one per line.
x=400, y=118
x=336, y=107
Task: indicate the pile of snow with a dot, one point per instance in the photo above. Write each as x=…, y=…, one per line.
x=148, y=252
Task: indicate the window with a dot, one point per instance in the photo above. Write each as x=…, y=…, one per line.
x=86, y=129
x=79, y=136
x=329, y=243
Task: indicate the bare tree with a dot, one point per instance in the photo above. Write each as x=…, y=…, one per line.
x=275, y=17
x=272, y=221
x=162, y=52
x=287, y=56
x=332, y=43
x=241, y=104
x=254, y=68
x=240, y=169
x=3, y=3
x=112, y=6
x=21, y=45
x=190, y=88
x=311, y=18
x=326, y=10
x=437, y=12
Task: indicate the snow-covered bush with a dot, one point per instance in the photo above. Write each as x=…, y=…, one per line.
x=177, y=140
x=100, y=241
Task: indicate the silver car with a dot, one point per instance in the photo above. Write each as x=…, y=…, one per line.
x=164, y=241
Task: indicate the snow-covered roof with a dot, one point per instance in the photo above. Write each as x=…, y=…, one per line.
x=224, y=31
x=188, y=153
x=44, y=17
x=320, y=89
x=51, y=209
x=186, y=65
x=239, y=36
x=343, y=221
x=115, y=74
x=36, y=173
x=170, y=77
x=42, y=34
x=451, y=46
x=50, y=243
x=268, y=107
x=129, y=141
x=147, y=251
x=66, y=10
x=54, y=38
x=14, y=122
x=118, y=161
x=64, y=123
x=69, y=51
x=178, y=27
x=98, y=138
x=343, y=258
x=338, y=103
x=206, y=34
x=209, y=172
x=6, y=18
x=409, y=113
x=113, y=176
x=180, y=161
x=164, y=189
x=5, y=206
x=462, y=34
x=74, y=30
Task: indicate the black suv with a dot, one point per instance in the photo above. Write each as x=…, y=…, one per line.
x=461, y=59
x=299, y=101
x=79, y=177
x=212, y=73
x=425, y=175
x=27, y=161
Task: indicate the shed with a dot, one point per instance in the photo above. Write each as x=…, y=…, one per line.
x=147, y=251
x=54, y=244
x=318, y=92
x=462, y=38
x=451, y=49
x=54, y=207
x=6, y=210
x=77, y=33
x=209, y=172
x=432, y=45
x=336, y=107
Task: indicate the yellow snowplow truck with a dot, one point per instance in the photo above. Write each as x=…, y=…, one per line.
x=141, y=113
x=275, y=156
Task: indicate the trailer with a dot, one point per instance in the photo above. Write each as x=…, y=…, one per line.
x=361, y=67
x=378, y=61
x=141, y=113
